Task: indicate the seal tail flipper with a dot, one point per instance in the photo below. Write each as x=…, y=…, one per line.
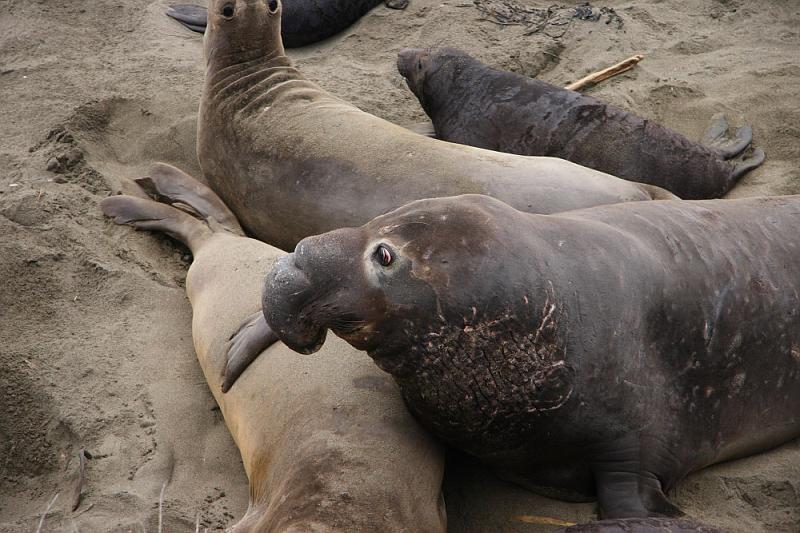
x=717, y=140
x=174, y=186
x=746, y=165
x=193, y=17
x=153, y=216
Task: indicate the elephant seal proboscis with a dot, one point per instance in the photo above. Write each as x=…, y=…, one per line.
x=608, y=351
x=304, y=21
x=471, y=103
x=327, y=446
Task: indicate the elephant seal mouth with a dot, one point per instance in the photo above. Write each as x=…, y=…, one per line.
x=287, y=294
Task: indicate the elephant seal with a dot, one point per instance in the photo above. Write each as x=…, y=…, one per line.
x=471, y=103
x=304, y=21
x=642, y=525
x=604, y=352
x=327, y=445
x=291, y=160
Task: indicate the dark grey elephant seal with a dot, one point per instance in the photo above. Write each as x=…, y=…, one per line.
x=471, y=103
x=607, y=351
x=304, y=21
x=291, y=160
x=327, y=446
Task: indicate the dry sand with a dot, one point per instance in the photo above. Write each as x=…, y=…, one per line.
x=95, y=342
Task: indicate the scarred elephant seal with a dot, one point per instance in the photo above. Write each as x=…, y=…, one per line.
x=607, y=351
x=471, y=103
x=327, y=445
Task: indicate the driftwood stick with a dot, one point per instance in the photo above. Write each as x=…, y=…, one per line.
x=597, y=77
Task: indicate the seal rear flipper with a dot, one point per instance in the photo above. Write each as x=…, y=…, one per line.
x=717, y=140
x=153, y=216
x=624, y=494
x=172, y=185
x=746, y=165
x=193, y=17
x=424, y=128
x=253, y=337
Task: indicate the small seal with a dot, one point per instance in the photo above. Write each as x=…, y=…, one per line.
x=326, y=445
x=304, y=21
x=604, y=352
x=471, y=103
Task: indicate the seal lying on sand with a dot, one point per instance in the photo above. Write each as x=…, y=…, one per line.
x=304, y=21
x=608, y=351
x=470, y=103
x=327, y=445
x=291, y=160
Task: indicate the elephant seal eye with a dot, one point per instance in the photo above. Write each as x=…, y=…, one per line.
x=227, y=10
x=383, y=255
x=273, y=6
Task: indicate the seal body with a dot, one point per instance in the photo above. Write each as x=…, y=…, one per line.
x=327, y=445
x=607, y=351
x=304, y=21
x=470, y=103
x=274, y=145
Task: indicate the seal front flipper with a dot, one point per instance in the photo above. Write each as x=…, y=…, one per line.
x=193, y=17
x=171, y=185
x=253, y=337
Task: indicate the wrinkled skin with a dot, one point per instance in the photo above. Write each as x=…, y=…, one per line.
x=608, y=351
x=470, y=103
x=304, y=21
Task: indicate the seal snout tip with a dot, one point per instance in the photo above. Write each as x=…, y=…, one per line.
x=406, y=58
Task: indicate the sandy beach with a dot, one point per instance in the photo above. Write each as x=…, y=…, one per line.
x=95, y=328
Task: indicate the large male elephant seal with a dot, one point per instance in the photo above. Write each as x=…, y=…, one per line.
x=304, y=21
x=607, y=351
x=327, y=445
x=471, y=103
x=291, y=160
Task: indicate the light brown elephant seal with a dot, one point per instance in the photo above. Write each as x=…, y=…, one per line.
x=327, y=445
x=291, y=160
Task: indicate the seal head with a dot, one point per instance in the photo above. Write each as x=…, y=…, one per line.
x=418, y=65
x=242, y=30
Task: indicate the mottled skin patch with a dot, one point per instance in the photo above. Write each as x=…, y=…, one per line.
x=292, y=160
x=605, y=352
x=471, y=103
